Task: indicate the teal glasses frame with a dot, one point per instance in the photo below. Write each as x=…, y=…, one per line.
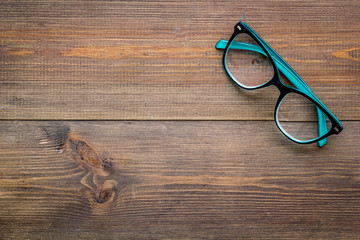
x=280, y=65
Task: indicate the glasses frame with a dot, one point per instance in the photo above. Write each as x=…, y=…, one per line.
x=302, y=88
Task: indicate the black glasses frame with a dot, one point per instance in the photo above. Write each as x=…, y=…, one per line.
x=276, y=81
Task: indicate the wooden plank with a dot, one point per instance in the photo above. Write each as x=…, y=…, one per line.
x=175, y=180
x=156, y=59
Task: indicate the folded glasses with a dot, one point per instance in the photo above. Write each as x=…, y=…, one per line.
x=252, y=64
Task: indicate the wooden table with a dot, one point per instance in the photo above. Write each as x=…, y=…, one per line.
x=118, y=122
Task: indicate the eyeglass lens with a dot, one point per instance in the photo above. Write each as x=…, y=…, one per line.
x=249, y=68
x=298, y=117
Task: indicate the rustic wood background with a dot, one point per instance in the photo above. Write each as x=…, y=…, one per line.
x=118, y=122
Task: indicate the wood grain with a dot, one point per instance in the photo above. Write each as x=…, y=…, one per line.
x=164, y=146
x=123, y=60
x=175, y=180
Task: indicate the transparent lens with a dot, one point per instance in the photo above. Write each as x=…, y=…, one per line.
x=298, y=118
x=249, y=67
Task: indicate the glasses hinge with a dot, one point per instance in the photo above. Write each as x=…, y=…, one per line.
x=336, y=130
x=238, y=27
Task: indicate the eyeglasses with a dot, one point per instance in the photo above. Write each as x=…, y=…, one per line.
x=252, y=64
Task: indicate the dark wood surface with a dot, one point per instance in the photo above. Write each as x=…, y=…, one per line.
x=118, y=122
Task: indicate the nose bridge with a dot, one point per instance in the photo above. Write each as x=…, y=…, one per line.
x=280, y=86
x=283, y=91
